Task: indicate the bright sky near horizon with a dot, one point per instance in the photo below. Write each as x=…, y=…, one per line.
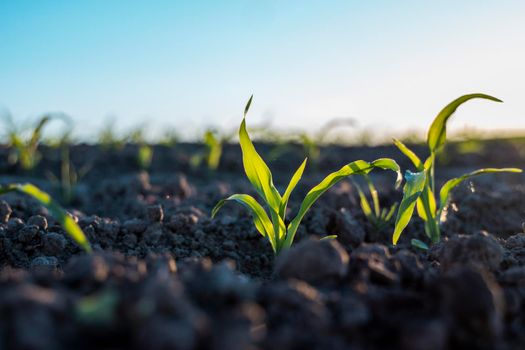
x=189, y=64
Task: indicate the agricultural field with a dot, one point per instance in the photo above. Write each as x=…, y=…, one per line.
x=232, y=244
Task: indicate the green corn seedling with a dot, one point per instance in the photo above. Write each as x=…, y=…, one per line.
x=69, y=175
x=170, y=138
x=26, y=150
x=108, y=137
x=379, y=217
x=272, y=226
x=213, y=152
x=144, y=151
x=419, y=190
x=67, y=222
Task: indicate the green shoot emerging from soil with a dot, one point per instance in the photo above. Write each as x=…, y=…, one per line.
x=213, y=152
x=67, y=222
x=144, y=150
x=273, y=227
x=378, y=217
x=419, y=190
x=66, y=183
x=25, y=149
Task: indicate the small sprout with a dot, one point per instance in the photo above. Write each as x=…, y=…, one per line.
x=379, y=217
x=214, y=150
x=98, y=308
x=213, y=143
x=419, y=190
x=67, y=222
x=69, y=175
x=144, y=151
x=25, y=149
x=144, y=156
x=310, y=147
x=273, y=227
x=170, y=138
x=108, y=138
x=310, y=143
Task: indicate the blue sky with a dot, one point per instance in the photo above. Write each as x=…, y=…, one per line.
x=189, y=64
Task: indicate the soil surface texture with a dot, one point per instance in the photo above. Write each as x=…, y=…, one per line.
x=165, y=275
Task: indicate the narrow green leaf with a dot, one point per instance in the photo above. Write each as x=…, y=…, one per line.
x=293, y=182
x=358, y=167
x=260, y=218
x=328, y=237
x=450, y=184
x=247, y=107
x=410, y=154
x=426, y=204
x=67, y=222
x=363, y=201
x=375, y=197
x=256, y=169
x=419, y=244
x=214, y=150
x=411, y=192
x=391, y=212
x=38, y=131
x=437, y=133
x=388, y=164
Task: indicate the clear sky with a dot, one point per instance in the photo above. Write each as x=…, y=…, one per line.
x=188, y=64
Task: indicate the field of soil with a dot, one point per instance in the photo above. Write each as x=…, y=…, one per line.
x=164, y=275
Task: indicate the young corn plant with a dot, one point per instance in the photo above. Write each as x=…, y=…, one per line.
x=108, y=137
x=273, y=226
x=67, y=222
x=378, y=217
x=419, y=190
x=213, y=152
x=25, y=150
x=144, y=151
x=67, y=181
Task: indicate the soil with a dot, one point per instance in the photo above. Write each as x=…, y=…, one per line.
x=164, y=275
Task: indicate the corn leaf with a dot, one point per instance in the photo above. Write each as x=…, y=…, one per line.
x=67, y=222
x=375, y=197
x=256, y=169
x=437, y=133
x=363, y=201
x=328, y=237
x=214, y=150
x=260, y=218
x=38, y=131
x=410, y=154
x=426, y=204
x=359, y=167
x=419, y=244
x=450, y=184
x=388, y=164
x=390, y=213
x=415, y=182
x=293, y=182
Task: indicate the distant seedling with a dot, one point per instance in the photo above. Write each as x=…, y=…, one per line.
x=419, y=190
x=378, y=217
x=272, y=226
x=310, y=143
x=213, y=150
x=145, y=151
x=67, y=222
x=67, y=181
x=25, y=148
x=108, y=138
